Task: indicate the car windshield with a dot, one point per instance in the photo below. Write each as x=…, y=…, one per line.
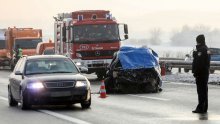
x=27, y=43
x=52, y=65
x=49, y=52
x=98, y=33
x=2, y=44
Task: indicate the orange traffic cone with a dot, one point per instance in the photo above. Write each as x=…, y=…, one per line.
x=102, y=90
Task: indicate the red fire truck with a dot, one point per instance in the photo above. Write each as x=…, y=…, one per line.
x=89, y=37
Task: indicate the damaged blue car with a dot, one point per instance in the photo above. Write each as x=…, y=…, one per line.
x=134, y=70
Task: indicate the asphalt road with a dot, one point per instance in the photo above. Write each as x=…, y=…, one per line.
x=172, y=106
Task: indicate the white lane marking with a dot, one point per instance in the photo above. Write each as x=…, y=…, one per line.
x=178, y=83
x=154, y=98
x=3, y=98
x=63, y=117
x=189, y=84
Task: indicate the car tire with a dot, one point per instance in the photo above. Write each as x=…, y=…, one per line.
x=69, y=105
x=157, y=86
x=109, y=85
x=24, y=101
x=86, y=104
x=11, y=100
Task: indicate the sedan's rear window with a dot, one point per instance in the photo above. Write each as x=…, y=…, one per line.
x=44, y=66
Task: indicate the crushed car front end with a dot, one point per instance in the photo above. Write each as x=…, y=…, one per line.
x=134, y=70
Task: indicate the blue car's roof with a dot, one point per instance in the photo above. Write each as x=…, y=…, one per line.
x=136, y=58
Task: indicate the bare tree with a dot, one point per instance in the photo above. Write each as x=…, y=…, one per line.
x=155, y=38
x=186, y=36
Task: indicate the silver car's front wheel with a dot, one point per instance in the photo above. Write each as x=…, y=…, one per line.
x=24, y=101
x=86, y=104
x=11, y=100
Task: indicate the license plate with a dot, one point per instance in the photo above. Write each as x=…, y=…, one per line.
x=60, y=94
x=97, y=62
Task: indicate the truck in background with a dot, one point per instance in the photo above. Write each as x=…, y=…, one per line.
x=26, y=38
x=45, y=48
x=3, y=54
x=89, y=37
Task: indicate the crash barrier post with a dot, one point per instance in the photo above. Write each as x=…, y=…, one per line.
x=102, y=90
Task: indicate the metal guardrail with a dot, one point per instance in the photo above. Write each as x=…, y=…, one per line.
x=163, y=58
x=175, y=63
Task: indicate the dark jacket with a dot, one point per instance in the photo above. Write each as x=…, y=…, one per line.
x=201, y=60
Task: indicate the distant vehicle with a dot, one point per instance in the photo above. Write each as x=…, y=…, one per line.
x=26, y=38
x=49, y=51
x=4, y=61
x=48, y=79
x=89, y=37
x=45, y=48
x=134, y=69
x=215, y=56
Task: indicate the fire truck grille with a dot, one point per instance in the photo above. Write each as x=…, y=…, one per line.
x=103, y=53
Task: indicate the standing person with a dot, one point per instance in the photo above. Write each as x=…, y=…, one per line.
x=200, y=70
x=18, y=52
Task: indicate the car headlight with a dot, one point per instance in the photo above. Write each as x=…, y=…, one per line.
x=35, y=85
x=78, y=63
x=81, y=83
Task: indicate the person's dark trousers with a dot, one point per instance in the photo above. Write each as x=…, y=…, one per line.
x=202, y=90
x=16, y=59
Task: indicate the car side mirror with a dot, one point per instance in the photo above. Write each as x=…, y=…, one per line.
x=18, y=73
x=125, y=28
x=83, y=69
x=126, y=36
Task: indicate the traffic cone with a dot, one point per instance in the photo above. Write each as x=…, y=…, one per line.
x=102, y=90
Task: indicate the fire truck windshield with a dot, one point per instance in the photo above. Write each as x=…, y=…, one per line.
x=96, y=33
x=27, y=43
x=2, y=44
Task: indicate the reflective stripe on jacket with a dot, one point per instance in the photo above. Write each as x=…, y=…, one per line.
x=19, y=52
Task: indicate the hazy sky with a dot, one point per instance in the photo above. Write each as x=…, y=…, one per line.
x=140, y=15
